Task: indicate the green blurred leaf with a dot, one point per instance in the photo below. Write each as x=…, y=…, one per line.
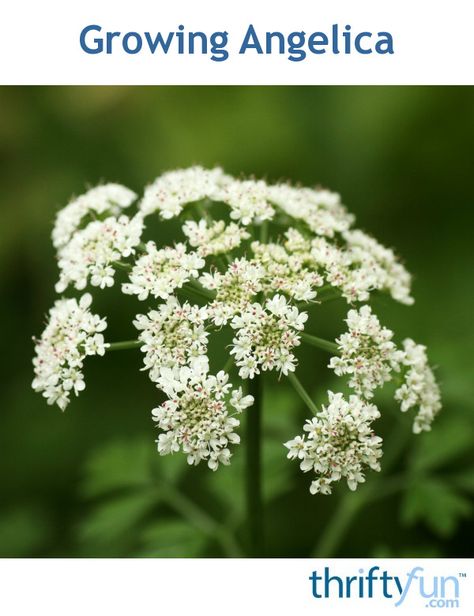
x=22, y=532
x=172, y=538
x=463, y=480
x=435, y=503
x=110, y=521
x=129, y=464
x=409, y=551
x=170, y=468
x=443, y=444
x=118, y=465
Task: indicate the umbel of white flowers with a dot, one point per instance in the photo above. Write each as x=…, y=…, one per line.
x=251, y=255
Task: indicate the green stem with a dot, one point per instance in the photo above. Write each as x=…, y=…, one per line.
x=190, y=294
x=122, y=265
x=204, y=213
x=126, y=344
x=253, y=475
x=341, y=520
x=202, y=520
x=302, y=393
x=204, y=293
x=350, y=505
x=228, y=364
x=329, y=298
x=320, y=343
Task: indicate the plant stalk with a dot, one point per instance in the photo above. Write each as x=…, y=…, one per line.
x=320, y=343
x=301, y=391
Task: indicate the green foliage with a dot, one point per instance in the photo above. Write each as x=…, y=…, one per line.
x=128, y=482
x=24, y=532
x=132, y=491
x=438, y=501
x=434, y=502
x=112, y=524
x=116, y=466
x=447, y=444
x=172, y=538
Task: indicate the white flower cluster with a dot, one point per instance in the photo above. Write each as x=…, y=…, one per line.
x=72, y=333
x=249, y=254
x=265, y=337
x=108, y=199
x=321, y=210
x=419, y=388
x=196, y=418
x=384, y=271
x=173, y=336
x=248, y=200
x=214, y=239
x=286, y=272
x=362, y=266
x=339, y=443
x=367, y=353
x=92, y=252
x=173, y=190
x=160, y=272
x=370, y=357
x=235, y=289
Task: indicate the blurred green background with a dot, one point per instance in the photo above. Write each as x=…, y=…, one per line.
x=89, y=482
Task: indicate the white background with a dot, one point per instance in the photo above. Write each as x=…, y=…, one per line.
x=39, y=42
x=207, y=587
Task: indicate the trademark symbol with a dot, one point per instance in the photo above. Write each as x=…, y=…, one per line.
x=462, y=575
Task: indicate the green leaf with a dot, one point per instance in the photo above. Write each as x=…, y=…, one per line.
x=118, y=465
x=463, y=480
x=444, y=444
x=126, y=464
x=171, y=467
x=22, y=532
x=110, y=521
x=172, y=539
x=435, y=503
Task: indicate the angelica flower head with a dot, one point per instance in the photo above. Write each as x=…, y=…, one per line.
x=92, y=252
x=265, y=337
x=71, y=334
x=339, y=443
x=241, y=265
x=419, y=388
x=172, y=336
x=366, y=352
x=108, y=199
x=159, y=272
x=196, y=418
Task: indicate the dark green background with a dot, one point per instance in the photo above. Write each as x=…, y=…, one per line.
x=88, y=482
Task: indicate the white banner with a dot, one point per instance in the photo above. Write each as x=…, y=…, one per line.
x=234, y=587
x=244, y=42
